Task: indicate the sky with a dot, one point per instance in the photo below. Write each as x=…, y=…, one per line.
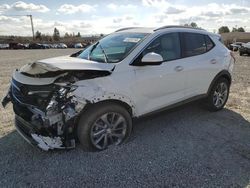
x=105, y=16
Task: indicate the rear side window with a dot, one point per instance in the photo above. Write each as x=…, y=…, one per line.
x=209, y=43
x=195, y=44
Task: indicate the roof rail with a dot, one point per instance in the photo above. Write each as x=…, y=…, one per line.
x=127, y=28
x=177, y=26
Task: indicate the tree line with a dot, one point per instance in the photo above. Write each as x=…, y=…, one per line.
x=56, y=36
x=225, y=29
x=222, y=29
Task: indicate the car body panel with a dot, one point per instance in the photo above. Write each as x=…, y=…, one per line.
x=64, y=63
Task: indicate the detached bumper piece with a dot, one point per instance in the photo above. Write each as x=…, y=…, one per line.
x=28, y=132
x=6, y=99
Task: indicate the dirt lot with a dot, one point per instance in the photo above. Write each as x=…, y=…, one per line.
x=185, y=147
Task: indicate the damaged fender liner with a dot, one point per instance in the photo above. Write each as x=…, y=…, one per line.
x=27, y=131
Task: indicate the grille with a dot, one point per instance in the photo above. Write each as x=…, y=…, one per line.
x=20, y=94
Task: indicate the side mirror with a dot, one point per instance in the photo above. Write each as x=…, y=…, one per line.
x=151, y=59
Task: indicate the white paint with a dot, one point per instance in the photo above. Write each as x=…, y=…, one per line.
x=64, y=63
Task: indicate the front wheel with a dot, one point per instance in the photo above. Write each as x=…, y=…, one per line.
x=104, y=125
x=218, y=95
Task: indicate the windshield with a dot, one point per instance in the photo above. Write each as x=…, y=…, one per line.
x=113, y=48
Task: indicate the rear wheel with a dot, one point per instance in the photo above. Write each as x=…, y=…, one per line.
x=218, y=95
x=104, y=125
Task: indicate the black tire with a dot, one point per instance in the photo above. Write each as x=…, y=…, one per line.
x=89, y=119
x=240, y=54
x=210, y=101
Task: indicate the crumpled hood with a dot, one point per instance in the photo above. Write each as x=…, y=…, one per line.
x=64, y=63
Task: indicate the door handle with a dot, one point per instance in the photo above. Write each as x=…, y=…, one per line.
x=178, y=68
x=213, y=61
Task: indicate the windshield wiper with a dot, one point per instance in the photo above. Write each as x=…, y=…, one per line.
x=105, y=55
x=103, y=51
x=92, y=49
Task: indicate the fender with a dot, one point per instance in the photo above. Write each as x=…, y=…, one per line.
x=225, y=74
x=94, y=94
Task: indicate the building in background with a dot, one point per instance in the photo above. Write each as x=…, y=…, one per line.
x=233, y=37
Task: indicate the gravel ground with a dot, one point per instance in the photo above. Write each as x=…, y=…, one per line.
x=184, y=147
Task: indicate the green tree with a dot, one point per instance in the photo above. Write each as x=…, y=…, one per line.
x=66, y=35
x=38, y=35
x=234, y=29
x=241, y=29
x=194, y=25
x=78, y=34
x=224, y=29
x=56, y=34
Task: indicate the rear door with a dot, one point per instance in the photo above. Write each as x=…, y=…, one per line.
x=201, y=60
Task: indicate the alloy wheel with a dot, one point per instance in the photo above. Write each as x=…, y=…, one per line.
x=108, y=129
x=220, y=95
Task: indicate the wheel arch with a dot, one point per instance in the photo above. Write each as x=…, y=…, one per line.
x=118, y=102
x=129, y=107
x=223, y=74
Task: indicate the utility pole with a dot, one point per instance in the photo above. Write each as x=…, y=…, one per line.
x=31, y=21
x=32, y=26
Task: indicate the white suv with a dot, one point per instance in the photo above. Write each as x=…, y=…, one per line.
x=92, y=96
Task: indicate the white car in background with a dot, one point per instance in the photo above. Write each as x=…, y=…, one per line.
x=78, y=45
x=93, y=96
x=61, y=45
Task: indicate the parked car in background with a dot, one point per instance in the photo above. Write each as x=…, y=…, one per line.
x=235, y=46
x=16, y=45
x=46, y=46
x=61, y=45
x=4, y=46
x=78, y=45
x=93, y=95
x=36, y=46
x=244, y=49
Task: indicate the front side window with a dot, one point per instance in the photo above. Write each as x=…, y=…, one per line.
x=167, y=45
x=113, y=48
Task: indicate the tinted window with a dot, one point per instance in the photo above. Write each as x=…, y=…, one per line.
x=193, y=44
x=168, y=46
x=209, y=43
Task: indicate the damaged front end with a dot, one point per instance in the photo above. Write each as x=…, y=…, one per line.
x=46, y=114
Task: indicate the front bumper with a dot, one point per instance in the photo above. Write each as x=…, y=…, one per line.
x=32, y=136
x=48, y=123
x=25, y=129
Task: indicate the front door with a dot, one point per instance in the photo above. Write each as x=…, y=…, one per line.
x=157, y=86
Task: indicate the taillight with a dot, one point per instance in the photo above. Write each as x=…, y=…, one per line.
x=232, y=55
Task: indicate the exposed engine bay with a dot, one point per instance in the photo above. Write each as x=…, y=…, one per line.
x=46, y=114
